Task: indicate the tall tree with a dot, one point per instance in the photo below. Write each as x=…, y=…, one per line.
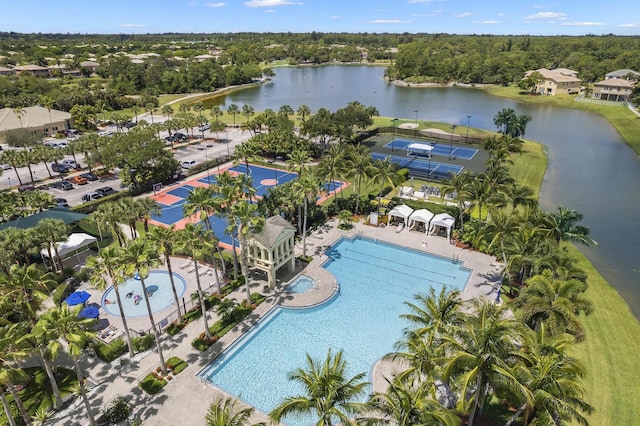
x=165, y=240
x=233, y=110
x=51, y=232
x=245, y=215
x=225, y=412
x=329, y=394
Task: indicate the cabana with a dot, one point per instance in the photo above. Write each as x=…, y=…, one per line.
x=423, y=216
x=402, y=211
x=73, y=245
x=419, y=149
x=442, y=220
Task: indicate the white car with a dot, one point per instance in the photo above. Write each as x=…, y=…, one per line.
x=188, y=164
x=5, y=166
x=204, y=127
x=105, y=133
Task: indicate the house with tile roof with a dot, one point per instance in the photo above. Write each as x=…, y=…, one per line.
x=613, y=89
x=5, y=72
x=626, y=74
x=273, y=248
x=560, y=81
x=35, y=70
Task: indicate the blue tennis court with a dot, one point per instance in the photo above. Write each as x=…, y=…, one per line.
x=439, y=149
x=422, y=168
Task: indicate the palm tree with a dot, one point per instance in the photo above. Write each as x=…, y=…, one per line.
x=19, y=113
x=145, y=208
x=13, y=158
x=233, y=110
x=225, y=412
x=385, y=173
x=246, y=152
x=135, y=109
x=24, y=289
x=555, y=300
x=562, y=226
x=479, y=190
x=285, y=110
x=138, y=257
x=167, y=110
x=247, y=111
x=151, y=108
x=165, y=239
x=63, y=322
x=216, y=113
x=332, y=165
x=303, y=112
x=457, y=185
x=245, y=215
x=50, y=232
x=361, y=167
x=504, y=119
x=479, y=350
x=305, y=188
x=330, y=395
x=48, y=102
x=405, y=404
x=108, y=265
x=9, y=373
x=108, y=214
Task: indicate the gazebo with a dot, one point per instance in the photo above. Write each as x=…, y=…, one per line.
x=273, y=247
x=442, y=220
x=421, y=216
x=402, y=211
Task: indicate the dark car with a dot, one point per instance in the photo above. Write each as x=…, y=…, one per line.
x=130, y=124
x=179, y=136
x=60, y=167
x=62, y=202
x=23, y=188
x=65, y=185
x=106, y=190
x=90, y=176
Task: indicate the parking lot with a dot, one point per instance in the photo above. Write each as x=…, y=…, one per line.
x=196, y=150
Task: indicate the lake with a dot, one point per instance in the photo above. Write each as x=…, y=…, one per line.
x=590, y=170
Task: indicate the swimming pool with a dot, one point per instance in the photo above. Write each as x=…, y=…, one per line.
x=364, y=321
x=158, y=283
x=301, y=284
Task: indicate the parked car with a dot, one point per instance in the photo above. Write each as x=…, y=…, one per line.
x=106, y=190
x=170, y=139
x=105, y=133
x=72, y=164
x=26, y=187
x=90, y=176
x=130, y=124
x=204, y=127
x=5, y=166
x=188, y=164
x=78, y=180
x=62, y=202
x=60, y=168
x=177, y=136
x=91, y=196
x=63, y=184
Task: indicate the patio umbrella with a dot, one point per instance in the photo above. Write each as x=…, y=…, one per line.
x=89, y=312
x=77, y=297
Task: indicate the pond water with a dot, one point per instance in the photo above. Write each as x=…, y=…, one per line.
x=590, y=170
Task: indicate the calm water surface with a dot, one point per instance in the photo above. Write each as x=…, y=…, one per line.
x=590, y=168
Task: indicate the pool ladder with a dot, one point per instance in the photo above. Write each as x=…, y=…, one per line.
x=455, y=258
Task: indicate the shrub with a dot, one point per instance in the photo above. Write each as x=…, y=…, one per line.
x=176, y=364
x=175, y=327
x=142, y=343
x=152, y=384
x=257, y=298
x=192, y=314
x=118, y=411
x=60, y=293
x=111, y=351
x=200, y=344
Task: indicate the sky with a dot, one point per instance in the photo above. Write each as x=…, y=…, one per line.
x=547, y=17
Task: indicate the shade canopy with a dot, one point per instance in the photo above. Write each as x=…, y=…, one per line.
x=77, y=297
x=421, y=216
x=89, y=312
x=419, y=149
x=74, y=242
x=402, y=211
x=442, y=220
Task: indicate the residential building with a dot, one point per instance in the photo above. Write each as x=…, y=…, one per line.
x=36, y=119
x=92, y=66
x=613, y=89
x=5, y=72
x=624, y=74
x=273, y=248
x=35, y=70
x=560, y=81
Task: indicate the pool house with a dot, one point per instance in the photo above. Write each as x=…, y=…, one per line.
x=273, y=248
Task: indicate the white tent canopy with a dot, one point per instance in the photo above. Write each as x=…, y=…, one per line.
x=442, y=220
x=402, y=211
x=74, y=242
x=422, y=216
x=419, y=149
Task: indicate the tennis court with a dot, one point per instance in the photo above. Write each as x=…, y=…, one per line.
x=421, y=168
x=171, y=200
x=439, y=149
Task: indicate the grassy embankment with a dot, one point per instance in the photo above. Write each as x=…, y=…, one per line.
x=621, y=118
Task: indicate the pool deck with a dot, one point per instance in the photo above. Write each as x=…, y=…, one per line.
x=186, y=398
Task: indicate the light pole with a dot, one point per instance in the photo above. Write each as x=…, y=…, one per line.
x=453, y=131
x=9, y=182
x=206, y=161
x=393, y=121
x=226, y=139
x=416, y=128
x=466, y=139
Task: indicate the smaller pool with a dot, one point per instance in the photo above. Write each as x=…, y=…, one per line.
x=301, y=284
x=158, y=285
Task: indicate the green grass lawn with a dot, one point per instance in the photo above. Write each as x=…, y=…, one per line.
x=529, y=166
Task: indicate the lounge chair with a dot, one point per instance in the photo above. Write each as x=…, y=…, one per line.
x=400, y=227
x=185, y=265
x=191, y=268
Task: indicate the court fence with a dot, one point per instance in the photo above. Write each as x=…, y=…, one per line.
x=426, y=135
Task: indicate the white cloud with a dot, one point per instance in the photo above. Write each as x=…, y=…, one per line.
x=544, y=6
x=388, y=21
x=500, y=14
x=131, y=25
x=270, y=3
x=487, y=22
x=628, y=25
x=464, y=15
x=419, y=1
x=269, y=11
x=336, y=17
x=545, y=16
x=583, y=24
x=219, y=4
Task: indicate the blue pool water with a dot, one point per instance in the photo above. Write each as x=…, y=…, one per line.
x=301, y=284
x=376, y=279
x=158, y=283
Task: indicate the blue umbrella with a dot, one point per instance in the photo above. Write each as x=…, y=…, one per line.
x=89, y=312
x=77, y=297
